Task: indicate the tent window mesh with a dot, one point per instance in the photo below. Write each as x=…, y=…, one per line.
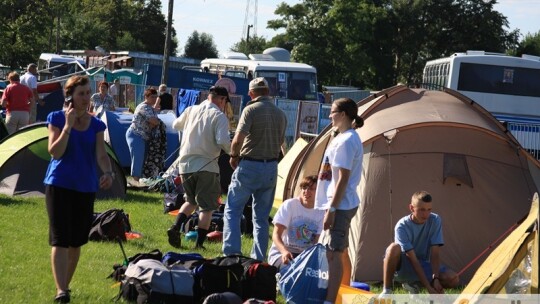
x=456, y=170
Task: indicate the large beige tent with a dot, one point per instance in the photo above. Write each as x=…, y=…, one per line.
x=440, y=141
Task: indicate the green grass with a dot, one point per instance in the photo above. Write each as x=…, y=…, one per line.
x=25, y=271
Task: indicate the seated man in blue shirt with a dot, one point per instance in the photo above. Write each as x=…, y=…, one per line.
x=415, y=254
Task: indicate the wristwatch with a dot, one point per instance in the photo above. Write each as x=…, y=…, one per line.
x=332, y=209
x=111, y=174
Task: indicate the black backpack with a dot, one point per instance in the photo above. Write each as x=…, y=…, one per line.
x=109, y=226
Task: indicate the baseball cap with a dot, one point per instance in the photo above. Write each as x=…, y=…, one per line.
x=258, y=83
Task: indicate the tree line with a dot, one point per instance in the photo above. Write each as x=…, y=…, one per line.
x=371, y=44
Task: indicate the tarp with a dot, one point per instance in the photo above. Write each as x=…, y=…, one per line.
x=440, y=141
x=24, y=159
x=115, y=135
x=512, y=268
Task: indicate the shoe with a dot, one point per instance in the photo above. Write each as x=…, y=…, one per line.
x=62, y=297
x=385, y=295
x=174, y=237
x=199, y=247
x=412, y=288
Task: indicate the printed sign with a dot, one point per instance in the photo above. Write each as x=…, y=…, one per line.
x=125, y=80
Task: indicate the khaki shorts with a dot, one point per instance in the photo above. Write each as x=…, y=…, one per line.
x=337, y=237
x=202, y=188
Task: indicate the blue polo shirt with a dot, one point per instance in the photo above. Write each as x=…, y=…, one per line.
x=77, y=168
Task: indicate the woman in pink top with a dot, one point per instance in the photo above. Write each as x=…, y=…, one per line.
x=17, y=100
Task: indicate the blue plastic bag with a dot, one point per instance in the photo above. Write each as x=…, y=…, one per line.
x=306, y=279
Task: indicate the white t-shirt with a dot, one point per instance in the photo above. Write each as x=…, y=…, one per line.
x=303, y=227
x=29, y=80
x=113, y=90
x=205, y=132
x=344, y=151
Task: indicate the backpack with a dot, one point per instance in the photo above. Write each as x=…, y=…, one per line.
x=149, y=281
x=211, y=278
x=258, y=280
x=109, y=226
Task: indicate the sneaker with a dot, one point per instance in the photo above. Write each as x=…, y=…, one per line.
x=412, y=288
x=174, y=237
x=385, y=294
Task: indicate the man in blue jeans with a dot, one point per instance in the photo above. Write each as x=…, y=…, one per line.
x=254, y=157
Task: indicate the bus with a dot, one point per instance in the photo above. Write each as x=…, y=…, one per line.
x=54, y=65
x=289, y=80
x=506, y=86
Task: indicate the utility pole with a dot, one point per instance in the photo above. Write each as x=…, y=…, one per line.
x=165, y=68
x=247, y=37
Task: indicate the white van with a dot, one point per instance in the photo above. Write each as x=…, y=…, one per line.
x=54, y=65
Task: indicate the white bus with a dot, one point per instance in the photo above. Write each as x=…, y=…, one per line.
x=286, y=79
x=507, y=86
x=54, y=65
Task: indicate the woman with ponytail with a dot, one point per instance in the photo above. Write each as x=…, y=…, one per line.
x=339, y=178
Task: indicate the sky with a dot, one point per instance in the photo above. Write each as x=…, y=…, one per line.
x=224, y=19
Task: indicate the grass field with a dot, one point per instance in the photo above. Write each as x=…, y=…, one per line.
x=25, y=272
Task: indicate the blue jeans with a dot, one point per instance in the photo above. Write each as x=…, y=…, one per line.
x=137, y=149
x=259, y=180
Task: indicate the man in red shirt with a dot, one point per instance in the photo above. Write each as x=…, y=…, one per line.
x=17, y=99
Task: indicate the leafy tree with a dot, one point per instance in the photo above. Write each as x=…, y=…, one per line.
x=22, y=31
x=200, y=46
x=530, y=45
x=375, y=44
x=255, y=45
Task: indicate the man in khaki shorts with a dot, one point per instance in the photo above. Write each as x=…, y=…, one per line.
x=205, y=132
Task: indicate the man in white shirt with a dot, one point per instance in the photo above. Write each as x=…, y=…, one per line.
x=205, y=132
x=29, y=79
x=113, y=90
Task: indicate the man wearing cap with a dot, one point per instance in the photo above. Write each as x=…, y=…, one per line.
x=29, y=79
x=205, y=132
x=254, y=156
x=165, y=99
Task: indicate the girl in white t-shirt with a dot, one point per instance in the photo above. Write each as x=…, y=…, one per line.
x=339, y=178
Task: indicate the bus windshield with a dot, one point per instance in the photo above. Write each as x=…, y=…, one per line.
x=291, y=85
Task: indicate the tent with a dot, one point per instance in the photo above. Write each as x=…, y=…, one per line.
x=115, y=135
x=512, y=268
x=24, y=159
x=442, y=142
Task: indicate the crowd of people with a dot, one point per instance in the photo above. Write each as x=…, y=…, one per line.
x=322, y=212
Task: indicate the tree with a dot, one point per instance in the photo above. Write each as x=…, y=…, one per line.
x=530, y=45
x=256, y=45
x=23, y=25
x=200, y=46
x=377, y=43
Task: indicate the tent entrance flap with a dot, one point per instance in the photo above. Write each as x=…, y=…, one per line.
x=456, y=170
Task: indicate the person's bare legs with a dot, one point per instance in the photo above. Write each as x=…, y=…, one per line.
x=335, y=273
x=391, y=260
x=64, y=262
x=347, y=268
x=74, y=253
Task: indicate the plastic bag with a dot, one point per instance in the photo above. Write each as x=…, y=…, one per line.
x=306, y=279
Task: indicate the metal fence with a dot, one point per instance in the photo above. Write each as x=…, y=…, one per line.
x=528, y=135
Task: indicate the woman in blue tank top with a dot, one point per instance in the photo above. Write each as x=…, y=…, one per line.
x=77, y=147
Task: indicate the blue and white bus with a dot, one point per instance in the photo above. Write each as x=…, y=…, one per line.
x=507, y=86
